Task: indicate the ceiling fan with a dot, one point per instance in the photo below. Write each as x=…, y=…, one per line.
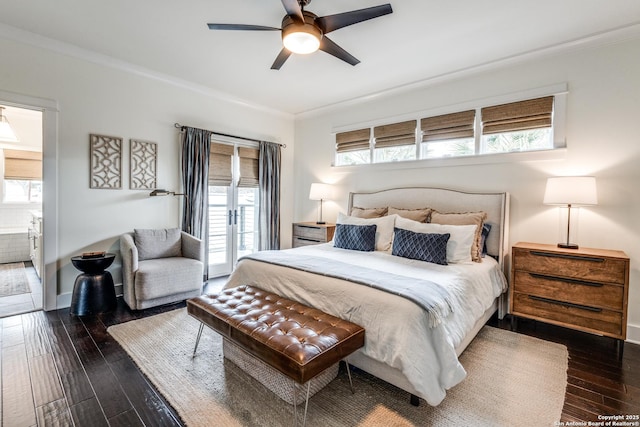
x=305, y=32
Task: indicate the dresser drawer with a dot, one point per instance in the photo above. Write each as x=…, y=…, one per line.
x=319, y=234
x=577, y=291
x=567, y=314
x=301, y=241
x=588, y=267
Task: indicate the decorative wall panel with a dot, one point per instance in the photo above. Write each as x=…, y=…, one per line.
x=106, y=161
x=143, y=165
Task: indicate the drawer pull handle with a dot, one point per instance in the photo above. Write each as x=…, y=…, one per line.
x=566, y=304
x=308, y=226
x=567, y=280
x=307, y=240
x=566, y=256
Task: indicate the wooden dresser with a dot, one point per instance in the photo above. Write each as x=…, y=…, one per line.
x=310, y=233
x=584, y=289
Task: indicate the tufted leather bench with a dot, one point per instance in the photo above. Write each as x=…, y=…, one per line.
x=297, y=340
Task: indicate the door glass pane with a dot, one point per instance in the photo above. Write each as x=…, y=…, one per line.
x=247, y=221
x=218, y=217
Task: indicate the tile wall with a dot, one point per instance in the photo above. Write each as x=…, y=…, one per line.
x=14, y=240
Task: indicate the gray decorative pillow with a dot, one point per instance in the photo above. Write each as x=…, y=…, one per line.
x=157, y=243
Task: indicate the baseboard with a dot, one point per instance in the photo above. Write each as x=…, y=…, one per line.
x=633, y=333
x=64, y=300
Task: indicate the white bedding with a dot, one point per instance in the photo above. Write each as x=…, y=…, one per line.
x=397, y=330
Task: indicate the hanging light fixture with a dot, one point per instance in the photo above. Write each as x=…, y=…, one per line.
x=6, y=133
x=301, y=37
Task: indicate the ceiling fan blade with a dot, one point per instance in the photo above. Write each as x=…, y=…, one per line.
x=241, y=27
x=331, y=48
x=334, y=22
x=282, y=57
x=293, y=9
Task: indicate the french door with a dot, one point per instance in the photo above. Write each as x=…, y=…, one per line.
x=233, y=222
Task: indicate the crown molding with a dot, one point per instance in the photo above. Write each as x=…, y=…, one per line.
x=63, y=48
x=616, y=35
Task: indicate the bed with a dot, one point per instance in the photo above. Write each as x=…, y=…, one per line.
x=406, y=344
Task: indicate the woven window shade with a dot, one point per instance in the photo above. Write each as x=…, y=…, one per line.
x=354, y=140
x=396, y=134
x=448, y=126
x=249, y=167
x=220, y=164
x=523, y=115
x=23, y=165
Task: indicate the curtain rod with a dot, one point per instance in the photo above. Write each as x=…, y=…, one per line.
x=182, y=128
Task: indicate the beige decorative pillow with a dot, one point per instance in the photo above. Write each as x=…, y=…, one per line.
x=368, y=212
x=466, y=218
x=420, y=215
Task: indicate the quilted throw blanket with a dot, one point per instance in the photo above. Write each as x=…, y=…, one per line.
x=430, y=296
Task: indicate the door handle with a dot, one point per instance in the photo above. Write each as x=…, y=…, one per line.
x=235, y=217
x=230, y=217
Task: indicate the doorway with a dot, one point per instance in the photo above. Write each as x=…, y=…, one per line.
x=233, y=206
x=21, y=192
x=47, y=242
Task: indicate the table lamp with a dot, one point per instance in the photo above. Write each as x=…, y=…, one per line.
x=320, y=192
x=570, y=191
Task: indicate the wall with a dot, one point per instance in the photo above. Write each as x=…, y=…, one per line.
x=602, y=136
x=103, y=99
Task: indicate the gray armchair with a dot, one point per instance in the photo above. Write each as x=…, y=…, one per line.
x=160, y=267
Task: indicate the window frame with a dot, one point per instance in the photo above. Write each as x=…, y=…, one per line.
x=558, y=149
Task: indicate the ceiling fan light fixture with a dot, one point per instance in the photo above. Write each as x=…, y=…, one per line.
x=301, y=42
x=301, y=37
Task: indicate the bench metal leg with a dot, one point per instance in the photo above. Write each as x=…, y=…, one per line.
x=197, y=340
x=349, y=374
x=295, y=403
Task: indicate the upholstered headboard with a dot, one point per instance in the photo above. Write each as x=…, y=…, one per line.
x=496, y=205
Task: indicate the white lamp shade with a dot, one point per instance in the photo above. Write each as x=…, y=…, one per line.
x=320, y=191
x=571, y=190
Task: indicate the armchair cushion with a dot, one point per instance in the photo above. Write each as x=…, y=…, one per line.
x=158, y=243
x=160, y=277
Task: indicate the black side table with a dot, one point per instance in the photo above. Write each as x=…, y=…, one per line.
x=93, y=291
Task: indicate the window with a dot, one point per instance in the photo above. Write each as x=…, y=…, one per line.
x=352, y=148
x=518, y=126
x=529, y=125
x=395, y=142
x=448, y=135
x=22, y=191
x=22, y=176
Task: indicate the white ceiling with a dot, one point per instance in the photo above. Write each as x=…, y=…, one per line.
x=421, y=40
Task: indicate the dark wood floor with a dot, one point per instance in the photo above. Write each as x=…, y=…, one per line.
x=59, y=369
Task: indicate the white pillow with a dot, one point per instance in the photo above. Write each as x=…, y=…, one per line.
x=460, y=240
x=384, y=228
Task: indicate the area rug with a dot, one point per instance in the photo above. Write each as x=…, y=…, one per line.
x=13, y=279
x=512, y=380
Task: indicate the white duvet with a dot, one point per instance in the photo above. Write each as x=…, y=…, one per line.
x=397, y=330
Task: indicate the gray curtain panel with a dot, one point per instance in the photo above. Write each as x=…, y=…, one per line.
x=269, y=182
x=196, y=147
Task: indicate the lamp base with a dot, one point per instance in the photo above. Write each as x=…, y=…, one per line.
x=568, y=245
x=320, y=222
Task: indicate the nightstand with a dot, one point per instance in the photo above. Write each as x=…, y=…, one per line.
x=310, y=233
x=584, y=289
